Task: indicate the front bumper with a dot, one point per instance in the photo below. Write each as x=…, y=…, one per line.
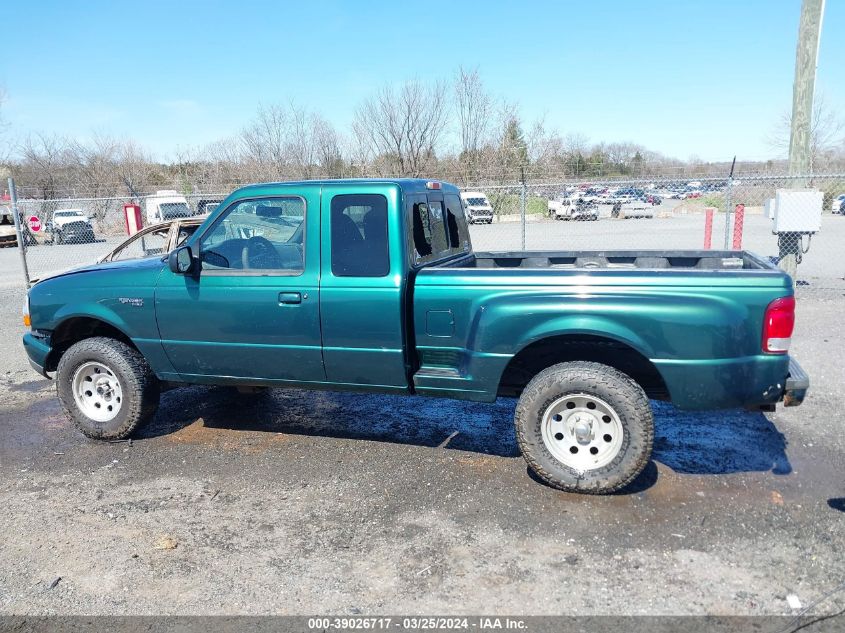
x=37, y=349
x=797, y=384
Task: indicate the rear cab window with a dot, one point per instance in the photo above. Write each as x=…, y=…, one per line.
x=437, y=227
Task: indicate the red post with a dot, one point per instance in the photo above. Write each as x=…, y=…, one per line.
x=739, y=220
x=708, y=227
x=132, y=213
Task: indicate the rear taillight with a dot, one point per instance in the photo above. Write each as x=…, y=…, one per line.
x=778, y=324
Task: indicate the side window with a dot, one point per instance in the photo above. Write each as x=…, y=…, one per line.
x=359, y=236
x=257, y=235
x=456, y=224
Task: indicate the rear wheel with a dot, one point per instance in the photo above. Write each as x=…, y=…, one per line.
x=584, y=427
x=106, y=388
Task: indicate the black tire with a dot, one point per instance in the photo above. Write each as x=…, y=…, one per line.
x=139, y=387
x=620, y=392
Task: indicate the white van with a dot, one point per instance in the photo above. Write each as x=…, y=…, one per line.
x=167, y=204
x=477, y=207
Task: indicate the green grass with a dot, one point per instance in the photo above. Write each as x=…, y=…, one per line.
x=510, y=204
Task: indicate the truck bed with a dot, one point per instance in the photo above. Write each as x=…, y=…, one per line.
x=644, y=259
x=695, y=317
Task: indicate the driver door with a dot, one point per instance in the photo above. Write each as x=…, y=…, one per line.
x=253, y=310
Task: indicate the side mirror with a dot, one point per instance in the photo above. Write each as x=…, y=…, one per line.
x=181, y=260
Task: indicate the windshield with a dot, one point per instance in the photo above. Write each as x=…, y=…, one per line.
x=477, y=202
x=68, y=214
x=170, y=210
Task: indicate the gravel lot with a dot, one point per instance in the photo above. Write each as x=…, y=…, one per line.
x=296, y=502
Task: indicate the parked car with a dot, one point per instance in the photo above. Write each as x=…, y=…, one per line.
x=77, y=232
x=593, y=195
x=477, y=207
x=628, y=194
x=842, y=207
x=158, y=239
x=836, y=205
x=633, y=208
x=377, y=289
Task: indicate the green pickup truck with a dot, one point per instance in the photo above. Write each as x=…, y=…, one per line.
x=373, y=286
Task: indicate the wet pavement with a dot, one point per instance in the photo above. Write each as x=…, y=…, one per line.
x=308, y=502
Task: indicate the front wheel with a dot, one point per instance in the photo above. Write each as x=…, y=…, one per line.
x=106, y=388
x=584, y=427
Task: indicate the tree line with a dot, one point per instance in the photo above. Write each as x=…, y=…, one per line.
x=453, y=130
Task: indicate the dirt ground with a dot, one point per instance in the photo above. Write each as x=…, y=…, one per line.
x=300, y=503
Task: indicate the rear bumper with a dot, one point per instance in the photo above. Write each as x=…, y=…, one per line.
x=752, y=382
x=797, y=384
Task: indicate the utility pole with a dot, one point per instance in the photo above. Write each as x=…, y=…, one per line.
x=803, y=89
x=809, y=31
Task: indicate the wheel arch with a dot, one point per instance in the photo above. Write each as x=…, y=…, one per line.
x=73, y=329
x=543, y=352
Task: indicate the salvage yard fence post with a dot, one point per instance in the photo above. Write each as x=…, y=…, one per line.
x=522, y=210
x=728, y=192
x=13, y=199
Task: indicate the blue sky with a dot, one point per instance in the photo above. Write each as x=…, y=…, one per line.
x=684, y=77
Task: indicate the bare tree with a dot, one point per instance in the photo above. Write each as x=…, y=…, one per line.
x=43, y=163
x=475, y=107
x=301, y=148
x=94, y=168
x=3, y=123
x=826, y=132
x=135, y=169
x=4, y=147
x=327, y=147
x=265, y=140
x=511, y=150
x=404, y=126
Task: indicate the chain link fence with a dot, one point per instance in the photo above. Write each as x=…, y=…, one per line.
x=672, y=214
x=64, y=233
x=646, y=213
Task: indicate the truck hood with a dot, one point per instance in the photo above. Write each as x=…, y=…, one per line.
x=148, y=263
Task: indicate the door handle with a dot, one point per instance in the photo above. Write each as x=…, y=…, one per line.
x=290, y=297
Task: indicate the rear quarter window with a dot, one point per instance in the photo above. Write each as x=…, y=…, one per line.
x=359, y=236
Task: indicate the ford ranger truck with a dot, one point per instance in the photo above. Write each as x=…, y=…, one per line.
x=373, y=286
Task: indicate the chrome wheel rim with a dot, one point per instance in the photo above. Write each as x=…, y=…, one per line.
x=582, y=431
x=97, y=391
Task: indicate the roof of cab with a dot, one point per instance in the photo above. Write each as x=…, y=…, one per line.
x=406, y=184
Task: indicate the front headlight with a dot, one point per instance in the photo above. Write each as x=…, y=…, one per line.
x=27, y=320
